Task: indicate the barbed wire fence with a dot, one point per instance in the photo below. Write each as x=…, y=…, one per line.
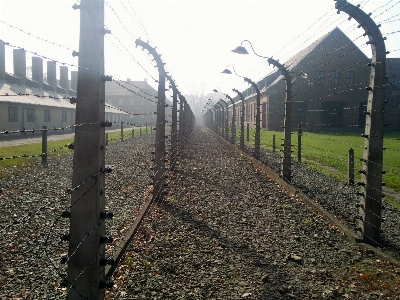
x=337, y=110
x=106, y=200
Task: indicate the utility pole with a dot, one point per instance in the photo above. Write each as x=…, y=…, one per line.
x=370, y=206
x=86, y=272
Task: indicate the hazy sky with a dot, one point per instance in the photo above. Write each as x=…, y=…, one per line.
x=195, y=38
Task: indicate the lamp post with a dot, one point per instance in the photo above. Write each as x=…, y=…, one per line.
x=287, y=141
x=233, y=129
x=257, y=133
x=241, y=120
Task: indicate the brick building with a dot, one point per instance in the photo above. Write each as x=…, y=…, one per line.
x=332, y=97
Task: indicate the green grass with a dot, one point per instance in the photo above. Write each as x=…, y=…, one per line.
x=61, y=145
x=31, y=150
x=327, y=152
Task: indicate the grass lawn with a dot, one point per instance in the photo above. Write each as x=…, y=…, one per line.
x=54, y=148
x=327, y=152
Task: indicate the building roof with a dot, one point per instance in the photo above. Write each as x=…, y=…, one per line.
x=19, y=94
x=295, y=62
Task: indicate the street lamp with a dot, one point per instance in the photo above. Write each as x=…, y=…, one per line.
x=287, y=147
x=257, y=133
x=233, y=128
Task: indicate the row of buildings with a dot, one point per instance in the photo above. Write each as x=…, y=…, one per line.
x=42, y=99
x=332, y=97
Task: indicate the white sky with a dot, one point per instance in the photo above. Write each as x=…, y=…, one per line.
x=195, y=38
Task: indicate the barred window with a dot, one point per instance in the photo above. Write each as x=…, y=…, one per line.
x=320, y=77
x=47, y=115
x=64, y=116
x=30, y=115
x=335, y=78
x=12, y=114
x=350, y=78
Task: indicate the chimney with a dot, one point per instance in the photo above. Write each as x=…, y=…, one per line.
x=20, y=64
x=64, y=83
x=37, y=70
x=74, y=80
x=128, y=80
x=52, y=74
x=2, y=60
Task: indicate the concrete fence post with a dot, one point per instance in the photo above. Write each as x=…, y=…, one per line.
x=274, y=143
x=299, y=135
x=370, y=207
x=159, y=157
x=44, y=146
x=350, y=167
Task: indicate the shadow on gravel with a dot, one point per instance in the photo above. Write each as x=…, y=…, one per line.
x=252, y=257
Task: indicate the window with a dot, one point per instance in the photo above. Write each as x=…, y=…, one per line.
x=131, y=116
x=350, y=78
x=335, y=78
x=131, y=102
x=141, y=102
x=320, y=77
x=64, y=116
x=47, y=115
x=12, y=114
x=121, y=102
x=30, y=115
x=141, y=116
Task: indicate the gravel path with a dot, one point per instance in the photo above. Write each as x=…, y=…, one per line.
x=339, y=199
x=226, y=231
x=32, y=200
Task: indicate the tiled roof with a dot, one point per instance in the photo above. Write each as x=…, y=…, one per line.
x=50, y=99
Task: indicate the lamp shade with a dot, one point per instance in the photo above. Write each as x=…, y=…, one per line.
x=240, y=50
x=226, y=71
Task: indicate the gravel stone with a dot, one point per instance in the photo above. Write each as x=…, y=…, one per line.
x=228, y=232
